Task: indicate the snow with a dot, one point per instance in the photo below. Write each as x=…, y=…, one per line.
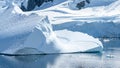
x=61, y=28
x=103, y=21
x=63, y=11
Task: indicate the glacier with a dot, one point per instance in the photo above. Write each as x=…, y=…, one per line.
x=32, y=33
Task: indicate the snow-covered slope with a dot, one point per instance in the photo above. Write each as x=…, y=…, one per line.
x=102, y=21
x=30, y=33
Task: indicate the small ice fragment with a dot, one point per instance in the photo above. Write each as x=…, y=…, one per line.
x=110, y=56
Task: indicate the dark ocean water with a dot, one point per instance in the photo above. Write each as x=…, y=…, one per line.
x=109, y=58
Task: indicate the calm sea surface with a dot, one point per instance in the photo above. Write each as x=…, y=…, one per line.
x=109, y=58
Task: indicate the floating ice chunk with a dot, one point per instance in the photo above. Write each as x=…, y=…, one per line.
x=110, y=56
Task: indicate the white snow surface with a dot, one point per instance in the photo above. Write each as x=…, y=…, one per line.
x=31, y=31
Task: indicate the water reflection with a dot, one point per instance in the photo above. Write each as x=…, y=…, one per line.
x=38, y=61
x=108, y=59
x=28, y=58
x=79, y=60
x=50, y=61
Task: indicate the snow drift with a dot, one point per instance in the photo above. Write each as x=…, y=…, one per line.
x=29, y=33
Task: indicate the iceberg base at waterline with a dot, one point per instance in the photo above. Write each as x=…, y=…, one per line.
x=38, y=43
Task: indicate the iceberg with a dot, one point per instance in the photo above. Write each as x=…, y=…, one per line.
x=42, y=39
x=45, y=41
x=63, y=41
x=29, y=33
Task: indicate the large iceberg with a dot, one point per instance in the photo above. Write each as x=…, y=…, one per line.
x=29, y=33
